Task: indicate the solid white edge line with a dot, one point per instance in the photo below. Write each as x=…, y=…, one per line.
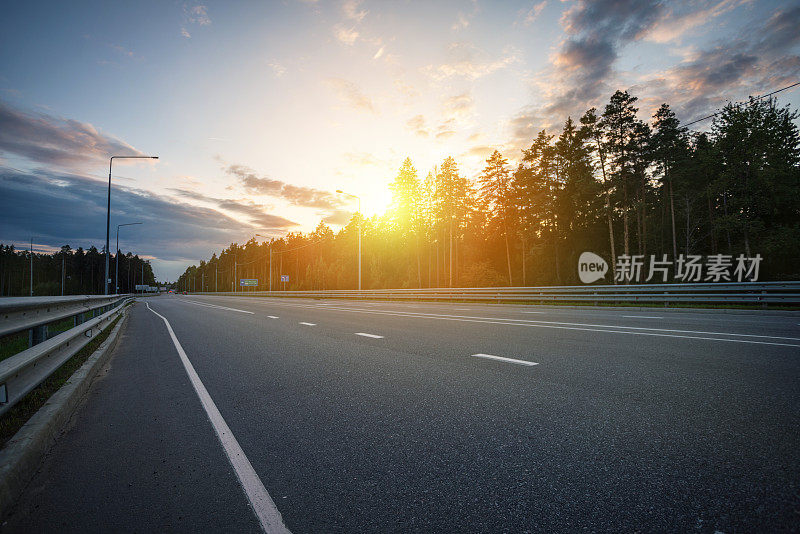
x=503, y=359
x=641, y=317
x=308, y=324
x=264, y=507
x=369, y=335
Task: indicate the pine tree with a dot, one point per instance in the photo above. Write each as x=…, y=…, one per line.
x=498, y=192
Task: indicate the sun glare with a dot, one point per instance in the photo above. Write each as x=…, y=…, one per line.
x=375, y=199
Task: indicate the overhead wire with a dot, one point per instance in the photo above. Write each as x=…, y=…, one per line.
x=744, y=103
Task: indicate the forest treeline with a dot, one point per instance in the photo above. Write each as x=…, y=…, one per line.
x=83, y=272
x=609, y=183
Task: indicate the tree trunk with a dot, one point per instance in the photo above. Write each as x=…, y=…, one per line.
x=638, y=224
x=711, y=224
x=555, y=254
x=508, y=255
x=644, y=214
x=608, y=210
x=450, y=271
x=419, y=261
x=455, y=259
x=688, y=227
x=747, y=240
x=727, y=222
x=611, y=236
x=672, y=213
x=524, y=256
x=625, y=216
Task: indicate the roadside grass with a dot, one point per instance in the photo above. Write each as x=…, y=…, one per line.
x=20, y=413
x=13, y=344
x=53, y=329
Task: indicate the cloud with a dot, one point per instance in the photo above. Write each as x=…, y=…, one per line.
x=255, y=212
x=524, y=126
x=45, y=204
x=446, y=129
x=481, y=151
x=351, y=94
x=308, y=197
x=463, y=19
x=459, y=106
x=406, y=89
x=680, y=18
x=197, y=15
x=338, y=217
x=278, y=69
x=766, y=58
x=352, y=11
x=529, y=16
x=467, y=61
x=417, y=125
x=780, y=31
x=345, y=35
x=596, y=30
x=125, y=52
x=582, y=68
x=461, y=22
x=55, y=141
x=362, y=159
x=611, y=20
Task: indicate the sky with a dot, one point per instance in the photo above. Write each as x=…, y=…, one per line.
x=260, y=111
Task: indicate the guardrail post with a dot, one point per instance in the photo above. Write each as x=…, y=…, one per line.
x=37, y=335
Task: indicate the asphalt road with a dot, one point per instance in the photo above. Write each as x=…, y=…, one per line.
x=630, y=421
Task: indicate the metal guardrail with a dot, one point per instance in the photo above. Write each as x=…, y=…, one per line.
x=22, y=372
x=759, y=293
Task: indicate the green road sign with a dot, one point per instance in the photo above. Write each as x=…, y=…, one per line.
x=248, y=281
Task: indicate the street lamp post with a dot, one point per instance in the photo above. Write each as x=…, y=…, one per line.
x=31, y=266
x=360, y=216
x=116, y=258
x=108, y=209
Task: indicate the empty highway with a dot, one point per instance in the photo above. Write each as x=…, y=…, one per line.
x=237, y=414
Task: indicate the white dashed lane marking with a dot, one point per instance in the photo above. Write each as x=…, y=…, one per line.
x=503, y=359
